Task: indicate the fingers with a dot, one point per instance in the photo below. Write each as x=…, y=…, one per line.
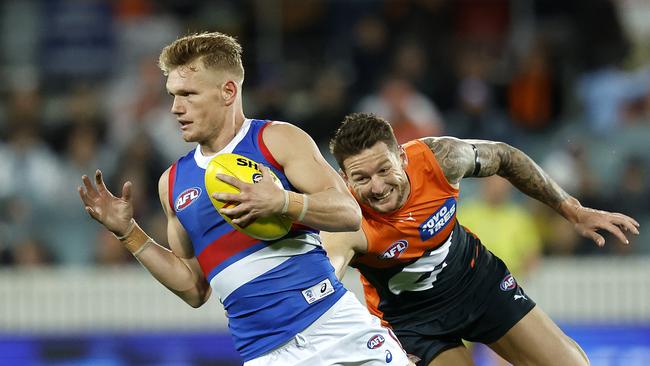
x=99, y=181
x=84, y=196
x=616, y=231
x=597, y=238
x=628, y=219
x=244, y=220
x=231, y=180
x=90, y=189
x=226, y=197
x=92, y=213
x=626, y=223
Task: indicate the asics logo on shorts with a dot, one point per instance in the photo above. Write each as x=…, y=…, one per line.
x=376, y=341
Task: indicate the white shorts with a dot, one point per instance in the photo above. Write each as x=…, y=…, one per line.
x=346, y=335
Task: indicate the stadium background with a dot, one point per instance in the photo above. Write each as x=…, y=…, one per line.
x=567, y=82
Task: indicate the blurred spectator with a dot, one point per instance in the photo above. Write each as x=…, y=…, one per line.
x=30, y=175
x=569, y=167
x=631, y=194
x=505, y=226
x=325, y=106
x=476, y=115
x=31, y=253
x=531, y=94
x=370, y=52
x=411, y=114
x=109, y=250
x=72, y=235
x=138, y=103
x=606, y=92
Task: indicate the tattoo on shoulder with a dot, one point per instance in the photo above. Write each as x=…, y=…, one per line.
x=452, y=157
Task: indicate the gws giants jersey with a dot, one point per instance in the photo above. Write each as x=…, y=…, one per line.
x=419, y=259
x=271, y=289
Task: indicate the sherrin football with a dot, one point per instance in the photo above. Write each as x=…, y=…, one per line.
x=246, y=170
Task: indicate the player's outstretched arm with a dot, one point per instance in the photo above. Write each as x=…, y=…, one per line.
x=480, y=158
x=175, y=269
x=341, y=247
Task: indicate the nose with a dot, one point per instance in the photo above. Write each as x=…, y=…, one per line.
x=177, y=106
x=377, y=185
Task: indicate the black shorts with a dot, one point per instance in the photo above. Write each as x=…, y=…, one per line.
x=503, y=305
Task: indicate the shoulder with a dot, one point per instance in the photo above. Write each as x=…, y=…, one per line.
x=163, y=188
x=282, y=131
x=454, y=156
x=285, y=139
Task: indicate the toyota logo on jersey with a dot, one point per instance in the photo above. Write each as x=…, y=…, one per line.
x=186, y=198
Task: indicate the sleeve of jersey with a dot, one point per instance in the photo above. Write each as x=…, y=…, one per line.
x=419, y=153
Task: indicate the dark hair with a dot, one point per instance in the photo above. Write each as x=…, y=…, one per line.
x=360, y=131
x=216, y=50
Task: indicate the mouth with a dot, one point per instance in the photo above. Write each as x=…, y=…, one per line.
x=384, y=197
x=184, y=124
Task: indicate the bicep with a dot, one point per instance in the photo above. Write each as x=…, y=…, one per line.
x=303, y=164
x=466, y=158
x=179, y=241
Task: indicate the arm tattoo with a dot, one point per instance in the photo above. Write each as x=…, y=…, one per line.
x=455, y=159
x=529, y=177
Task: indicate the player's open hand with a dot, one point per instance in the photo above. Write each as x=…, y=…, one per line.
x=260, y=199
x=115, y=213
x=589, y=221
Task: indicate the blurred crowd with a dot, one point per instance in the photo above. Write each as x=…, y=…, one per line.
x=567, y=82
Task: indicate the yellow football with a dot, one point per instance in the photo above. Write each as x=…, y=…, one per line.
x=246, y=170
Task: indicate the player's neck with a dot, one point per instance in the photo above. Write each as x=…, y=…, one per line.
x=224, y=136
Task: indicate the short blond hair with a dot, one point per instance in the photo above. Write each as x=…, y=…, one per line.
x=216, y=50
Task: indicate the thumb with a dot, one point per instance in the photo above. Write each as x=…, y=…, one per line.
x=126, y=191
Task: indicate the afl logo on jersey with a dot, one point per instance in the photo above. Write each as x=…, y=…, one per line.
x=508, y=283
x=186, y=198
x=376, y=341
x=395, y=250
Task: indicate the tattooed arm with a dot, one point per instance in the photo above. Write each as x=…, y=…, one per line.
x=457, y=158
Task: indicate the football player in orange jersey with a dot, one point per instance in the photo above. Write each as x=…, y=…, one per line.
x=425, y=275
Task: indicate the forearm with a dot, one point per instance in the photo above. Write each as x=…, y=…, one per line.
x=329, y=210
x=166, y=267
x=532, y=180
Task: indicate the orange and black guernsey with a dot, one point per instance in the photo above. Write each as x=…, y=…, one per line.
x=420, y=262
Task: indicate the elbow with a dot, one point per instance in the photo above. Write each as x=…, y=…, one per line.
x=354, y=221
x=199, y=297
x=195, y=303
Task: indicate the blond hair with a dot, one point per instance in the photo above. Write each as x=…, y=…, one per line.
x=216, y=50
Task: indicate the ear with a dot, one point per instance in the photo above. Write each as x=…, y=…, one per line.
x=229, y=92
x=403, y=157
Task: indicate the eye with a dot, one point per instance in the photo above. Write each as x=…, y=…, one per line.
x=361, y=180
